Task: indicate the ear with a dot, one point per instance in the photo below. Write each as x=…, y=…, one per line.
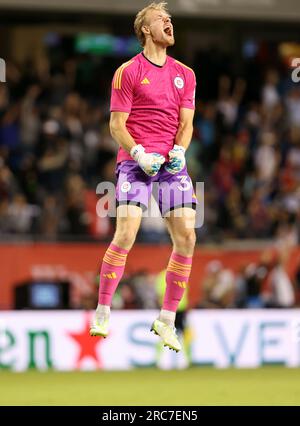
x=145, y=29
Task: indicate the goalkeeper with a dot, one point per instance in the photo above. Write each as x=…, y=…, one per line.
x=152, y=109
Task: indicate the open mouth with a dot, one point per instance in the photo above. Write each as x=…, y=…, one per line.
x=168, y=31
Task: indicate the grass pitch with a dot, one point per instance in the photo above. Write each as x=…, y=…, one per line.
x=195, y=386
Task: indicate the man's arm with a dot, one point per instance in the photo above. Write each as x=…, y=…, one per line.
x=182, y=141
x=150, y=163
x=119, y=131
x=185, y=128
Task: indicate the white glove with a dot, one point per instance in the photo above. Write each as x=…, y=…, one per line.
x=149, y=163
x=177, y=159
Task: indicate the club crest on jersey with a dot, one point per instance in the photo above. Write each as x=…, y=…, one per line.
x=126, y=187
x=179, y=83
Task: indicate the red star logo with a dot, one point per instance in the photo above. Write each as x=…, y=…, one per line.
x=87, y=344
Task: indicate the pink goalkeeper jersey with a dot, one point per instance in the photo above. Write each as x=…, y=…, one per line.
x=153, y=96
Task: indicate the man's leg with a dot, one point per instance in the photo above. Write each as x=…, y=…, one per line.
x=113, y=265
x=182, y=232
x=181, y=225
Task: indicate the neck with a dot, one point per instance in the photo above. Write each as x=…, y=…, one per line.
x=155, y=54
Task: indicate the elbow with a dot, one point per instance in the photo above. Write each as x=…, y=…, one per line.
x=187, y=129
x=115, y=126
x=186, y=126
x=191, y=129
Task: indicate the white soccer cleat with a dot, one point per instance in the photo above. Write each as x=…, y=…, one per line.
x=167, y=334
x=99, y=327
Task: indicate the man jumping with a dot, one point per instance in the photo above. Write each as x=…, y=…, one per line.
x=152, y=110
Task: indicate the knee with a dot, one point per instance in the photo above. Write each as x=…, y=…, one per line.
x=186, y=241
x=125, y=238
x=190, y=239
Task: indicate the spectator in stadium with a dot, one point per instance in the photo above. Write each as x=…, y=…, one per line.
x=270, y=92
x=297, y=283
x=218, y=287
x=279, y=290
x=250, y=285
x=144, y=287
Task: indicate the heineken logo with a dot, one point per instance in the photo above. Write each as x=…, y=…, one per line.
x=87, y=346
x=39, y=345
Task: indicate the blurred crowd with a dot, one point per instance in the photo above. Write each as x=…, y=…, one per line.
x=250, y=160
x=55, y=147
x=265, y=283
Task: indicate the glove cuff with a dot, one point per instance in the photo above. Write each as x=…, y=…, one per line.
x=179, y=148
x=136, y=151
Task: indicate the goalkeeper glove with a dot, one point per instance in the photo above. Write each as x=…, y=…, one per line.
x=149, y=163
x=177, y=159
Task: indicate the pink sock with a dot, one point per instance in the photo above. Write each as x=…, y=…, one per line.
x=178, y=273
x=112, y=270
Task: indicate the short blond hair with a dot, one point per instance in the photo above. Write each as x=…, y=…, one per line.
x=140, y=18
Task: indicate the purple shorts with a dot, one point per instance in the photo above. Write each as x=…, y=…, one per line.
x=135, y=187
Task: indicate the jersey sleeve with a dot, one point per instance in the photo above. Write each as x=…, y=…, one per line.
x=188, y=99
x=122, y=89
